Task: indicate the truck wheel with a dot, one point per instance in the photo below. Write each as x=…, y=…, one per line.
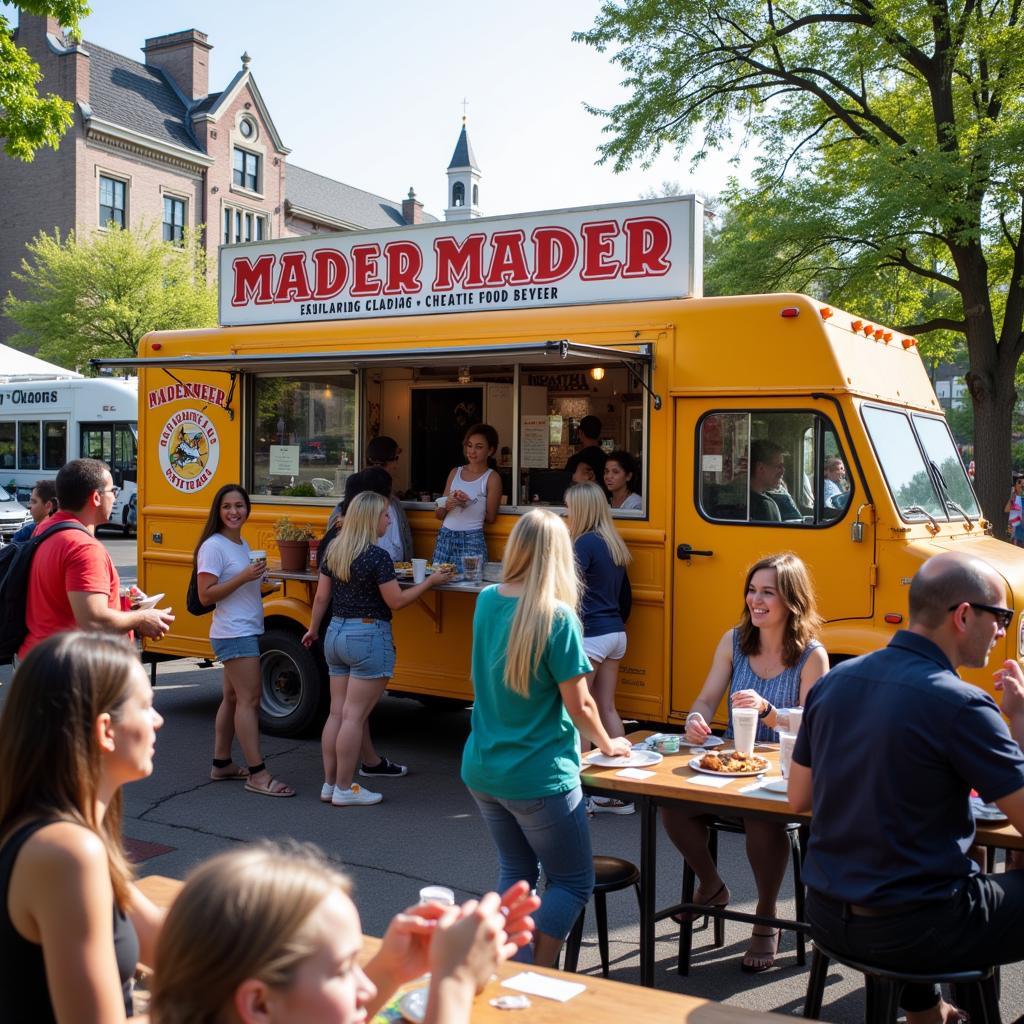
x=291, y=685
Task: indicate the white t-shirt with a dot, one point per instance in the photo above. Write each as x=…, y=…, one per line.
x=633, y=501
x=391, y=542
x=241, y=612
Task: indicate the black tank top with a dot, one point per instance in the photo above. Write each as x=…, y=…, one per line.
x=24, y=996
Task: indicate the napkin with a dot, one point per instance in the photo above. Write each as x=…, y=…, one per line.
x=541, y=985
x=634, y=773
x=711, y=781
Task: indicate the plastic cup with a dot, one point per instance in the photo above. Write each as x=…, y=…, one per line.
x=744, y=727
x=442, y=501
x=440, y=894
x=789, y=719
x=787, y=741
x=257, y=556
x=419, y=570
x=472, y=568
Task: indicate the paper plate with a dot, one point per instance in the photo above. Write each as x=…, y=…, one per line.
x=775, y=785
x=637, y=759
x=150, y=602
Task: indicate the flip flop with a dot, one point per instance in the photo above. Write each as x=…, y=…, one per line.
x=284, y=789
x=239, y=774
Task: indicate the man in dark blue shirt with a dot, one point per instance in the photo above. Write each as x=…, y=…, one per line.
x=891, y=745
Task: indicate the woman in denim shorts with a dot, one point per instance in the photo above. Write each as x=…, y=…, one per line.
x=358, y=579
x=226, y=576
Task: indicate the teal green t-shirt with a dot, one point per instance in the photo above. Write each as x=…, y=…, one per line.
x=522, y=747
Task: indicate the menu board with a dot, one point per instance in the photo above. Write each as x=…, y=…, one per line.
x=284, y=460
x=534, y=442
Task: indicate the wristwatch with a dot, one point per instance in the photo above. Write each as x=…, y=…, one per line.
x=768, y=709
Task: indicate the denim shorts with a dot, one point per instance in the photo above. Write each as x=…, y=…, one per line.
x=228, y=648
x=600, y=648
x=361, y=648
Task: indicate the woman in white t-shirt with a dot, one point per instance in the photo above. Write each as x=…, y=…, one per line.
x=228, y=578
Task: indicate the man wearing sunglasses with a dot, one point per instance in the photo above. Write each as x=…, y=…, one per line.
x=891, y=746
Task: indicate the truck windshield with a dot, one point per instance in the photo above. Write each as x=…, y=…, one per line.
x=921, y=466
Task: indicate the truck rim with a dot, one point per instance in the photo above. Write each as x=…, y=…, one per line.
x=281, y=684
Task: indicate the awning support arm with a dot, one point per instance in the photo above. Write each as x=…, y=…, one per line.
x=231, y=390
x=633, y=375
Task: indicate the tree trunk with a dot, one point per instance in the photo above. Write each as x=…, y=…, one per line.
x=993, y=399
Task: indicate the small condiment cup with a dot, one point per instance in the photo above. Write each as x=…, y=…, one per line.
x=439, y=894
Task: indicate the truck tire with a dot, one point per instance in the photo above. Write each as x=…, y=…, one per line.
x=291, y=685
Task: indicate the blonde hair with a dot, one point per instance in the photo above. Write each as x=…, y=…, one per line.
x=539, y=556
x=358, y=532
x=588, y=513
x=243, y=914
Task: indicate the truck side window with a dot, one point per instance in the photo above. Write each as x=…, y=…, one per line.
x=785, y=468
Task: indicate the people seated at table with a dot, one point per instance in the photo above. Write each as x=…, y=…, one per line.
x=521, y=761
x=622, y=481
x=890, y=747
x=357, y=579
x=78, y=723
x=767, y=468
x=770, y=660
x=269, y=935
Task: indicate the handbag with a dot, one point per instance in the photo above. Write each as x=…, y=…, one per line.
x=192, y=602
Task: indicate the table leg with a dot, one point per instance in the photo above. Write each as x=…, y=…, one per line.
x=648, y=876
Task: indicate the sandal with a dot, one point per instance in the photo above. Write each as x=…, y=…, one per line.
x=274, y=787
x=229, y=773
x=756, y=961
x=689, y=916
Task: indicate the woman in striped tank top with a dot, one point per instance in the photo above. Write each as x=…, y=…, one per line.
x=771, y=659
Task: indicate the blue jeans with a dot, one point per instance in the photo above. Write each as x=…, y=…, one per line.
x=544, y=832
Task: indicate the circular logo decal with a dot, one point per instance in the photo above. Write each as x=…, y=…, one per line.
x=189, y=450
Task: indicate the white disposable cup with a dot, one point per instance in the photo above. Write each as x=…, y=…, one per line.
x=794, y=718
x=419, y=570
x=442, y=501
x=744, y=727
x=787, y=741
x=440, y=894
x=257, y=556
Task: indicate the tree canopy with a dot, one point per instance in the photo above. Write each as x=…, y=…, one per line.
x=29, y=121
x=95, y=296
x=890, y=167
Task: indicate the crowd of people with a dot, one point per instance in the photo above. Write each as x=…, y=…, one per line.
x=258, y=932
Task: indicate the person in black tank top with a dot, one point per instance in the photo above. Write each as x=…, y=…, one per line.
x=78, y=724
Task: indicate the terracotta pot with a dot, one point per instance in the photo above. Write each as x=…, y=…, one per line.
x=294, y=555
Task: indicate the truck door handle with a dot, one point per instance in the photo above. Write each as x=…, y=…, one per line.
x=684, y=551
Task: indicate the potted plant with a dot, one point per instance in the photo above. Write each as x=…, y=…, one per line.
x=293, y=543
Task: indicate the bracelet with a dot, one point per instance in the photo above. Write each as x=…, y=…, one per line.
x=694, y=714
x=768, y=709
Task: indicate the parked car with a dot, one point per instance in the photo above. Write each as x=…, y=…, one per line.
x=13, y=515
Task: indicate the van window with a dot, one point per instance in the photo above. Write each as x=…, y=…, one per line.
x=28, y=445
x=942, y=453
x=302, y=435
x=55, y=449
x=7, y=458
x=785, y=468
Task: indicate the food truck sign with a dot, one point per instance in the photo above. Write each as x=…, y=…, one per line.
x=632, y=252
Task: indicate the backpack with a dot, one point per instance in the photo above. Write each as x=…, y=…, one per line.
x=15, y=564
x=192, y=602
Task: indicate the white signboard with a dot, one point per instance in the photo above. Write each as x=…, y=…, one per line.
x=533, y=453
x=636, y=251
x=284, y=460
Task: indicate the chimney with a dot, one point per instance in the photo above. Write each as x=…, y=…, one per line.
x=34, y=28
x=184, y=57
x=412, y=209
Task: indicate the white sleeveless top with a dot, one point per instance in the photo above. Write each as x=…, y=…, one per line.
x=472, y=516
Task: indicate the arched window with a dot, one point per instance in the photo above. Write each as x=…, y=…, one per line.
x=458, y=194
x=476, y=195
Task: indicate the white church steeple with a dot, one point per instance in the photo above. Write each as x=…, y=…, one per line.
x=463, y=181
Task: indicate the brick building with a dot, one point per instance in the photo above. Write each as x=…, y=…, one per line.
x=151, y=144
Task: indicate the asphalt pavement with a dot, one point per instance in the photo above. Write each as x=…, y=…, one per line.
x=427, y=830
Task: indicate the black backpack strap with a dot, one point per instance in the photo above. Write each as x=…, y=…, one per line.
x=67, y=524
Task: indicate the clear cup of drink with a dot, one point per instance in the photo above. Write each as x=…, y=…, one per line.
x=787, y=741
x=744, y=729
x=472, y=568
x=439, y=894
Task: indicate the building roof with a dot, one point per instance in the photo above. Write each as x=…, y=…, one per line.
x=309, y=192
x=16, y=365
x=463, y=155
x=127, y=93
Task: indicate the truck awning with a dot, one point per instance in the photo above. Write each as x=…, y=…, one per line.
x=561, y=352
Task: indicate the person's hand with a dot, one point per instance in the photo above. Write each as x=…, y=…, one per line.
x=253, y=571
x=155, y=622
x=405, y=949
x=470, y=947
x=461, y=497
x=517, y=904
x=697, y=730
x=1010, y=681
x=439, y=576
x=617, y=747
x=747, y=699
x=310, y=637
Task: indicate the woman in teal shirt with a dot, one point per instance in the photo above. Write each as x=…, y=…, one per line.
x=521, y=761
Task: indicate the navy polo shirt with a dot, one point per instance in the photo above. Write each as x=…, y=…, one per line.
x=602, y=584
x=896, y=741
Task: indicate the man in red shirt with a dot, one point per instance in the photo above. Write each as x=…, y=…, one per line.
x=72, y=582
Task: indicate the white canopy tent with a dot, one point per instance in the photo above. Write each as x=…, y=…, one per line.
x=16, y=366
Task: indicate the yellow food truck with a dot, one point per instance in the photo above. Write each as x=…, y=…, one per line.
x=531, y=323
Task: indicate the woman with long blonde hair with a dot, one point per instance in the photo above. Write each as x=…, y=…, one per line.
x=521, y=762
x=357, y=578
x=77, y=725
x=769, y=660
x=601, y=557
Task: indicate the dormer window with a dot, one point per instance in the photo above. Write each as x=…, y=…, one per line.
x=458, y=194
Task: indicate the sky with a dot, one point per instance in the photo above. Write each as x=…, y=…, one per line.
x=371, y=94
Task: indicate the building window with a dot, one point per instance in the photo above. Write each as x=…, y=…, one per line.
x=246, y=128
x=476, y=195
x=174, y=219
x=458, y=194
x=111, y=202
x=244, y=226
x=247, y=170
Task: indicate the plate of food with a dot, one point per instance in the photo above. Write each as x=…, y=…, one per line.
x=986, y=812
x=636, y=759
x=728, y=762
x=413, y=1005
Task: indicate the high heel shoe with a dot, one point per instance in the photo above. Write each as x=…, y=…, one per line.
x=755, y=962
x=688, y=916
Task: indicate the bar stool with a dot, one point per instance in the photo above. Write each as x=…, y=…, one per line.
x=610, y=875
x=882, y=987
x=689, y=882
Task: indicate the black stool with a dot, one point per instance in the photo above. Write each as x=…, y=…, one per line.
x=882, y=987
x=610, y=875
x=717, y=825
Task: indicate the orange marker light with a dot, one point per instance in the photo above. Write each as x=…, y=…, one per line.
x=909, y=343
x=825, y=312
x=887, y=337
x=856, y=325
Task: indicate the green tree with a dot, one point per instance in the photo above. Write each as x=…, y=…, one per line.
x=891, y=156
x=29, y=121
x=95, y=296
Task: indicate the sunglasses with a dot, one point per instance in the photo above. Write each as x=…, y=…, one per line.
x=1004, y=616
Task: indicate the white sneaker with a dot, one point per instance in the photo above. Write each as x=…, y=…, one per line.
x=355, y=794
x=326, y=792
